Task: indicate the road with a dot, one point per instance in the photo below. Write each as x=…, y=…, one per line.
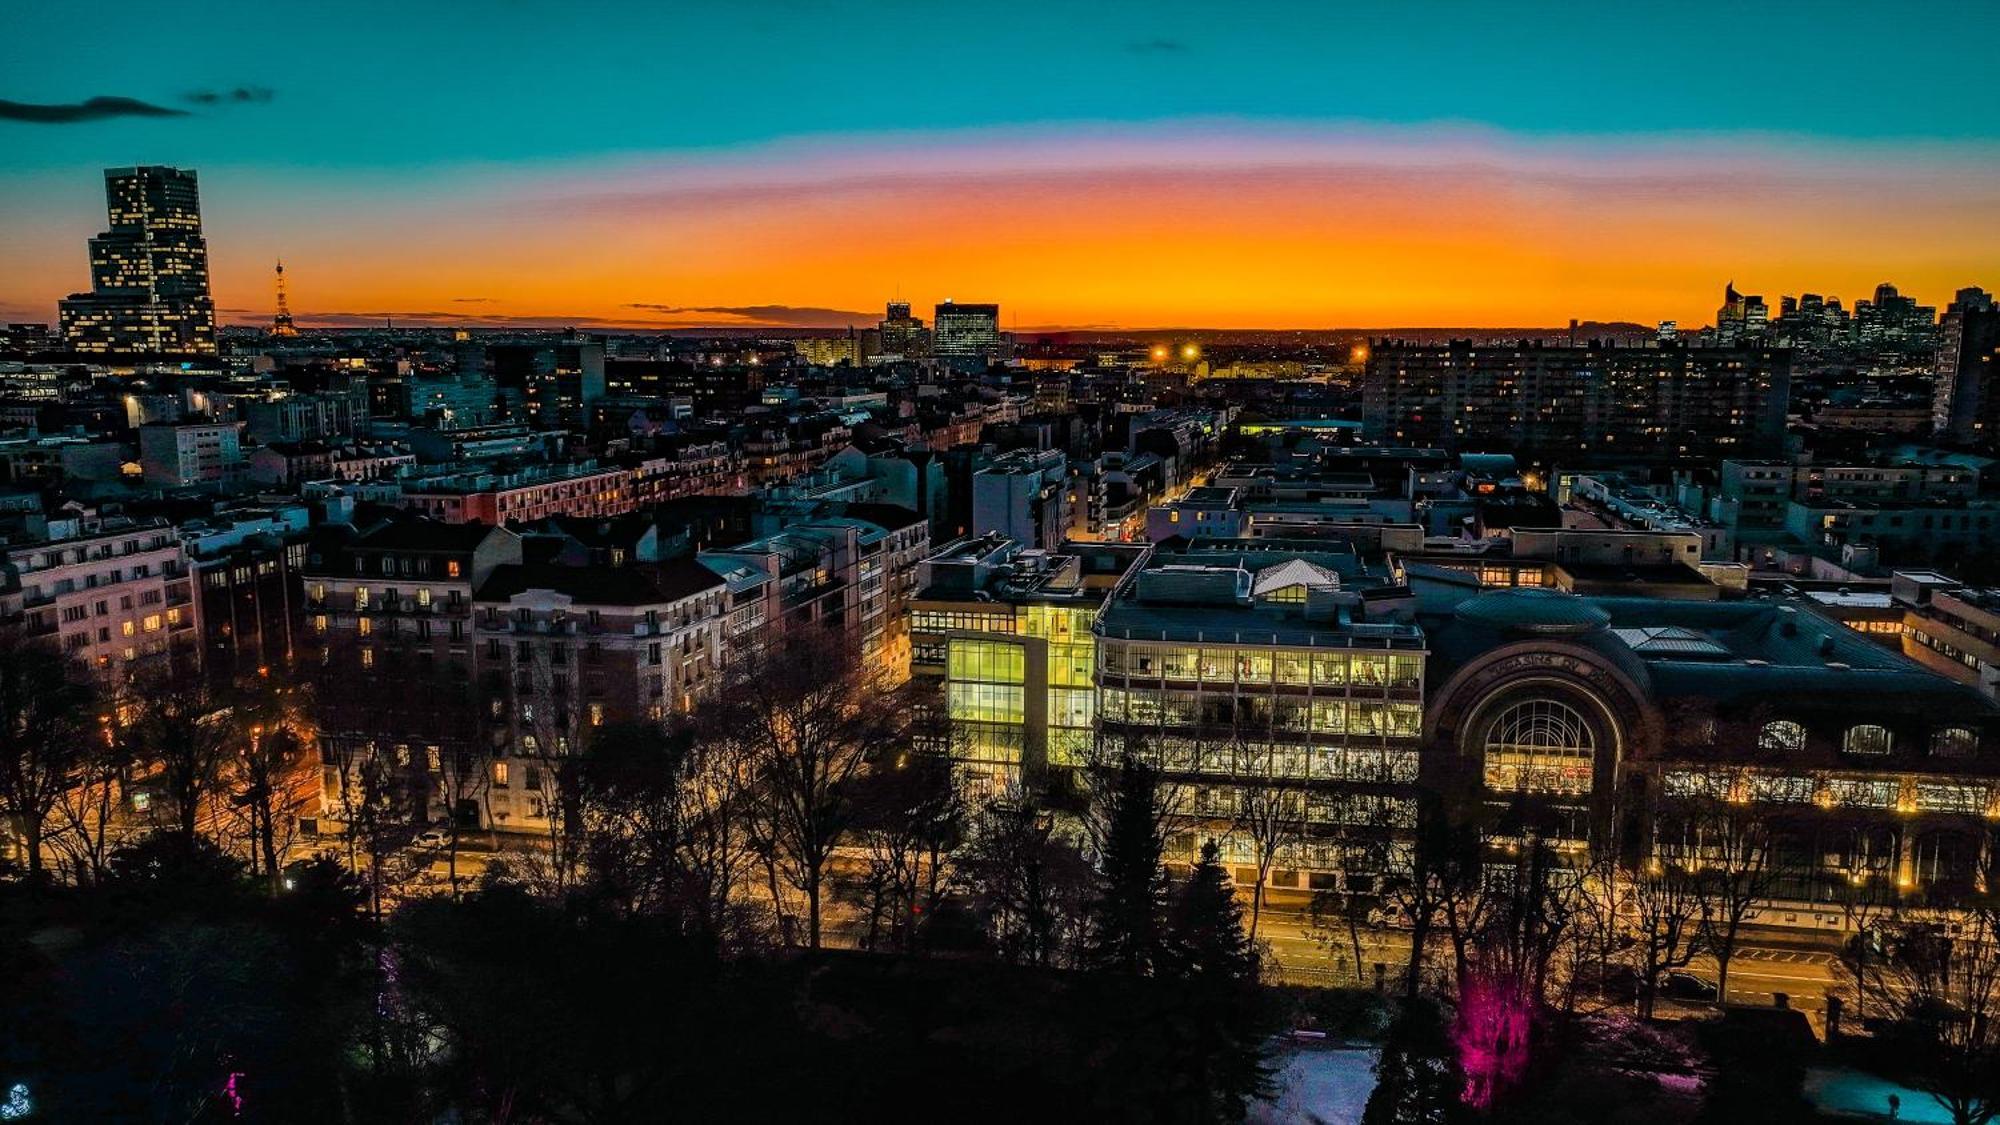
x=1800, y=967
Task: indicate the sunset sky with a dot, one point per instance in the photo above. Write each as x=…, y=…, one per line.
x=789, y=162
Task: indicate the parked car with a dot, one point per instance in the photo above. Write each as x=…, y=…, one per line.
x=434, y=838
x=1687, y=986
x=1611, y=981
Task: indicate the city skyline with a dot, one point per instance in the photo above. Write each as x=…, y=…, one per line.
x=1116, y=170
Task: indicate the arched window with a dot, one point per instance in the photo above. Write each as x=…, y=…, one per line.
x=1867, y=738
x=1781, y=736
x=1539, y=745
x=1953, y=742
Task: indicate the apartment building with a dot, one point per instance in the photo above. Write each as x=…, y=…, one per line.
x=522, y=495
x=390, y=615
x=564, y=650
x=1577, y=401
x=190, y=454
x=115, y=591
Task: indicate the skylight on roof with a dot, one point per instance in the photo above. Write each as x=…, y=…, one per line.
x=1673, y=641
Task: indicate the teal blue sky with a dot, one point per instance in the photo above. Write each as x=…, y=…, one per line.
x=409, y=116
x=371, y=84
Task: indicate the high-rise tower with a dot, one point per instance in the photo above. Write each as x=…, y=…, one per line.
x=281, y=324
x=148, y=271
x=1965, y=406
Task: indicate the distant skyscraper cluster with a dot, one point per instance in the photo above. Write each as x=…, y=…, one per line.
x=148, y=271
x=1887, y=322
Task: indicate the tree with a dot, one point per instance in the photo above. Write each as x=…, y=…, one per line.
x=1417, y=1081
x=1525, y=914
x=1033, y=886
x=271, y=734
x=1867, y=896
x=664, y=815
x=1125, y=921
x=1666, y=903
x=1208, y=951
x=1735, y=874
x=89, y=806
x=460, y=776
x=377, y=818
x=1443, y=886
x=809, y=715
x=912, y=817
x=182, y=731
x=1206, y=941
x=1941, y=974
x=1270, y=813
x=45, y=737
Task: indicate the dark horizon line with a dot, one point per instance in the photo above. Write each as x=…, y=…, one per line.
x=556, y=324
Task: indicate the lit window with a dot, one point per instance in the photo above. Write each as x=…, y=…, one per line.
x=1867, y=738
x=1953, y=742
x=1540, y=745
x=1781, y=737
x=499, y=773
x=152, y=623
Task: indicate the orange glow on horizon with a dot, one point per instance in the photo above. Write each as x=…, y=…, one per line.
x=1163, y=232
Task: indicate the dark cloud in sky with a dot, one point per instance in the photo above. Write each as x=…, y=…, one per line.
x=241, y=95
x=784, y=316
x=472, y=300
x=1156, y=46
x=73, y=113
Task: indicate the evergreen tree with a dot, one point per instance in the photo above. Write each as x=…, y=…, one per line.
x=1126, y=921
x=1206, y=928
x=1417, y=1080
x=1214, y=959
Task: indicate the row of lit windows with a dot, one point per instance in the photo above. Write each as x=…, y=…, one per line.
x=1319, y=716
x=1333, y=668
x=1359, y=809
x=1286, y=760
x=1875, y=793
x=1784, y=736
x=941, y=621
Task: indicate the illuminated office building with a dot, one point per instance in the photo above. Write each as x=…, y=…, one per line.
x=966, y=332
x=148, y=271
x=903, y=335
x=1005, y=631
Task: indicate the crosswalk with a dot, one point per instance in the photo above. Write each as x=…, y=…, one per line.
x=1788, y=956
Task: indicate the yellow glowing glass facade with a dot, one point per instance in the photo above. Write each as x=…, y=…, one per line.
x=1019, y=682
